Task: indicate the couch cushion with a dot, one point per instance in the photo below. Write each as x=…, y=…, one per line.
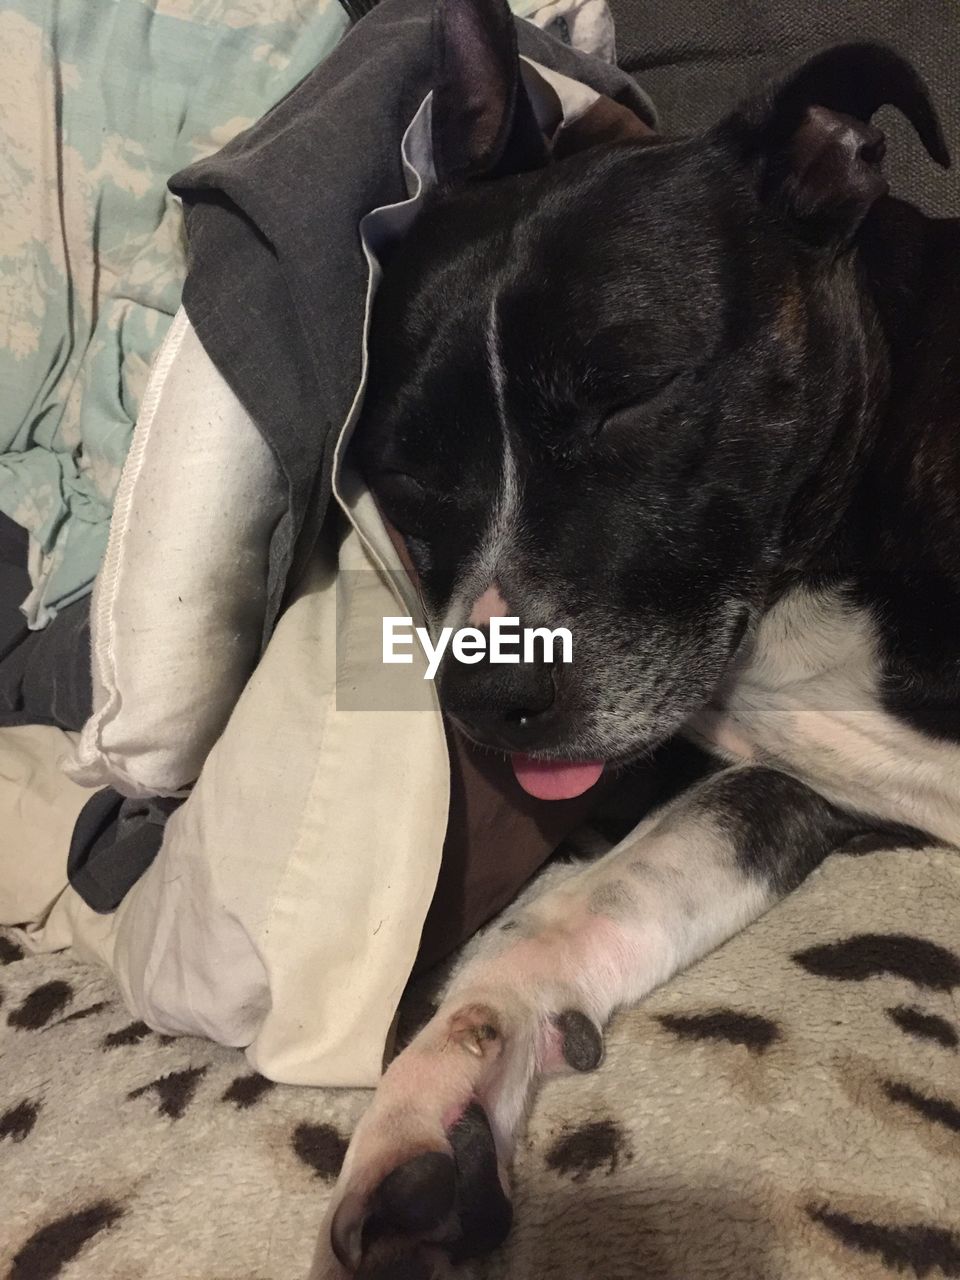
x=696, y=60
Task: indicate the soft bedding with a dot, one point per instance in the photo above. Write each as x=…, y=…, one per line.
x=92, y=258
x=788, y=1109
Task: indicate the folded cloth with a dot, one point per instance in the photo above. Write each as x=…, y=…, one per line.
x=273, y=217
x=114, y=840
x=585, y=24
x=44, y=675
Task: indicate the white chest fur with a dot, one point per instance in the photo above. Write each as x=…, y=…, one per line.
x=807, y=702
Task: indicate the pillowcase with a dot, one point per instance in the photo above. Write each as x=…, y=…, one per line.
x=284, y=909
x=178, y=606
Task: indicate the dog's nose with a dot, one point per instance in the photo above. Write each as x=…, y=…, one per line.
x=504, y=704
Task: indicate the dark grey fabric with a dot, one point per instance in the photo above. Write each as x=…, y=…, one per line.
x=14, y=585
x=697, y=59
x=44, y=675
x=277, y=280
x=45, y=679
x=114, y=841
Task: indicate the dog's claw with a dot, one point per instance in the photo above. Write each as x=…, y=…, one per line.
x=474, y=1029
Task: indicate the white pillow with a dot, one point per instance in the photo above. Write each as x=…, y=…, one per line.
x=284, y=908
x=178, y=605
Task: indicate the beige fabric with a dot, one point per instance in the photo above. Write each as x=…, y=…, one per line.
x=179, y=581
x=281, y=914
x=38, y=809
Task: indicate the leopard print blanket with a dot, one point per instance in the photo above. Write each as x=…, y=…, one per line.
x=789, y=1109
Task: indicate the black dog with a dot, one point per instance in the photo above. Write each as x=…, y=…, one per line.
x=696, y=401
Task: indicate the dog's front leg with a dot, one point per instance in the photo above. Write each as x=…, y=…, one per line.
x=425, y=1176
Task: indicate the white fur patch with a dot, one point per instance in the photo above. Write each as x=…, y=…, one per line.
x=808, y=703
x=478, y=590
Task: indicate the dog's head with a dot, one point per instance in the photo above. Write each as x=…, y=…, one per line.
x=609, y=391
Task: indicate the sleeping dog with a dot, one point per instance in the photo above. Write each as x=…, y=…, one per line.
x=696, y=401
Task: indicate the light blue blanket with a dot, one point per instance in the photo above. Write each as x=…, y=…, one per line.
x=99, y=104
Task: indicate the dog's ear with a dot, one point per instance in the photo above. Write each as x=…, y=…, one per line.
x=810, y=142
x=483, y=123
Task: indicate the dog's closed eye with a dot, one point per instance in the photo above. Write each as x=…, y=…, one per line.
x=406, y=499
x=400, y=484
x=398, y=491
x=625, y=418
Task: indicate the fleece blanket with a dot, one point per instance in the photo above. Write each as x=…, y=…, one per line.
x=789, y=1109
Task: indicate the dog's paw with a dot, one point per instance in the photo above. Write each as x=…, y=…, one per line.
x=424, y=1184
x=433, y=1209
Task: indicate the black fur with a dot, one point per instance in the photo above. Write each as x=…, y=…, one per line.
x=711, y=394
x=645, y=391
x=781, y=829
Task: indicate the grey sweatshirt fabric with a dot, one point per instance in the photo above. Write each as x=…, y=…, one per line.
x=44, y=675
x=277, y=280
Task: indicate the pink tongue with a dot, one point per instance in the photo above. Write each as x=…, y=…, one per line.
x=555, y=780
